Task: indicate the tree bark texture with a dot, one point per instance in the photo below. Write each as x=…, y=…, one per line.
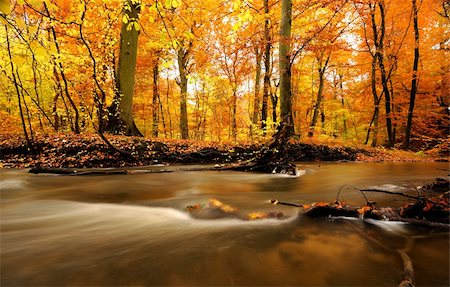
x=121, y=119
x=285, y=67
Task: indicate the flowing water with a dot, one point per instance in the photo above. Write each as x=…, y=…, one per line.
x=135, y=230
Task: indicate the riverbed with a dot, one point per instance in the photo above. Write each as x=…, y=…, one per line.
x=135, y=229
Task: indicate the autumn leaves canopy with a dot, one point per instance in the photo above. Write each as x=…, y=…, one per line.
x=366, y=71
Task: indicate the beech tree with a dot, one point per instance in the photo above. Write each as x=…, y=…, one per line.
x=121, y=111
x=285, y=67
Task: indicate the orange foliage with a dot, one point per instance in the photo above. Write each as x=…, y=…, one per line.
x=222, y=37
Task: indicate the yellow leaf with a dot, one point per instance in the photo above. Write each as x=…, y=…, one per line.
x=175, y=44
x=5, y=7
x=256, y=215
x=175, y=3
x=218, y=204
x=125, y=18
x=20, y=23
x=137, y=27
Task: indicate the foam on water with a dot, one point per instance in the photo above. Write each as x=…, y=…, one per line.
x=12, y=184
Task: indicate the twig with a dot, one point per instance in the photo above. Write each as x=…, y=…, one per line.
x=393, y=193
x=276, y=202
x=337, y=195
x=404, y=195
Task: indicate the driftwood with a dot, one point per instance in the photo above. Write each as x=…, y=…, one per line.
x=77, y=172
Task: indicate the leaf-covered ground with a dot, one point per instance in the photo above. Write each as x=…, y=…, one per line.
x=88, y=150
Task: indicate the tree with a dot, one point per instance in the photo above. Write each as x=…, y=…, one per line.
x=413, y=92
x=384, y=74
x=121, y=111
x=285, y=67
x=323, y=65
x=267, y=66
x=183, y=62
x=155, y=98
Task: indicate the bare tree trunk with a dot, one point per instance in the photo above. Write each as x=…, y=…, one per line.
x=412, y=96
x=285, y=67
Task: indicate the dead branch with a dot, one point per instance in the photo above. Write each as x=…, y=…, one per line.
x=420, y=198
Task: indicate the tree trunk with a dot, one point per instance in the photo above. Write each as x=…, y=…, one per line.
x=155, y=97
x=317, y=106
x=121, y=111
x=274, y=100
x=16, y=85
x=285, y=67
x=376, y=102
x=233, y=114
x=384, y=77
x=76, y=126
x=182, y=55
x=412, y=96
x=257, y=87
x=267, y=67
x=344, y=117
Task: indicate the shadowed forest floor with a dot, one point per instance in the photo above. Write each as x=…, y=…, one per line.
x=88, y=150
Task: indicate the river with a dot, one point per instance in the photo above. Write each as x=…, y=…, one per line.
x=135, y=230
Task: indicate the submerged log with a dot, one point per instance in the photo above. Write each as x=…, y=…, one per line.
x=78, y=172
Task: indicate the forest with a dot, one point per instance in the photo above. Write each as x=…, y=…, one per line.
x=224, y=142
x=357, y=72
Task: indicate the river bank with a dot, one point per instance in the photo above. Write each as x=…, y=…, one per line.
x=88, y=150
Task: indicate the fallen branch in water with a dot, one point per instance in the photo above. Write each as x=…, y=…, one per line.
x=406, y=195
x=393, y=193
x=417, y=214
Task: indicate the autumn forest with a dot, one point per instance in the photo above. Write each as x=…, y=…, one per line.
x=373, y=72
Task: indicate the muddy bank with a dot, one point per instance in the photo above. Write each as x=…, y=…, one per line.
x=88, y=150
